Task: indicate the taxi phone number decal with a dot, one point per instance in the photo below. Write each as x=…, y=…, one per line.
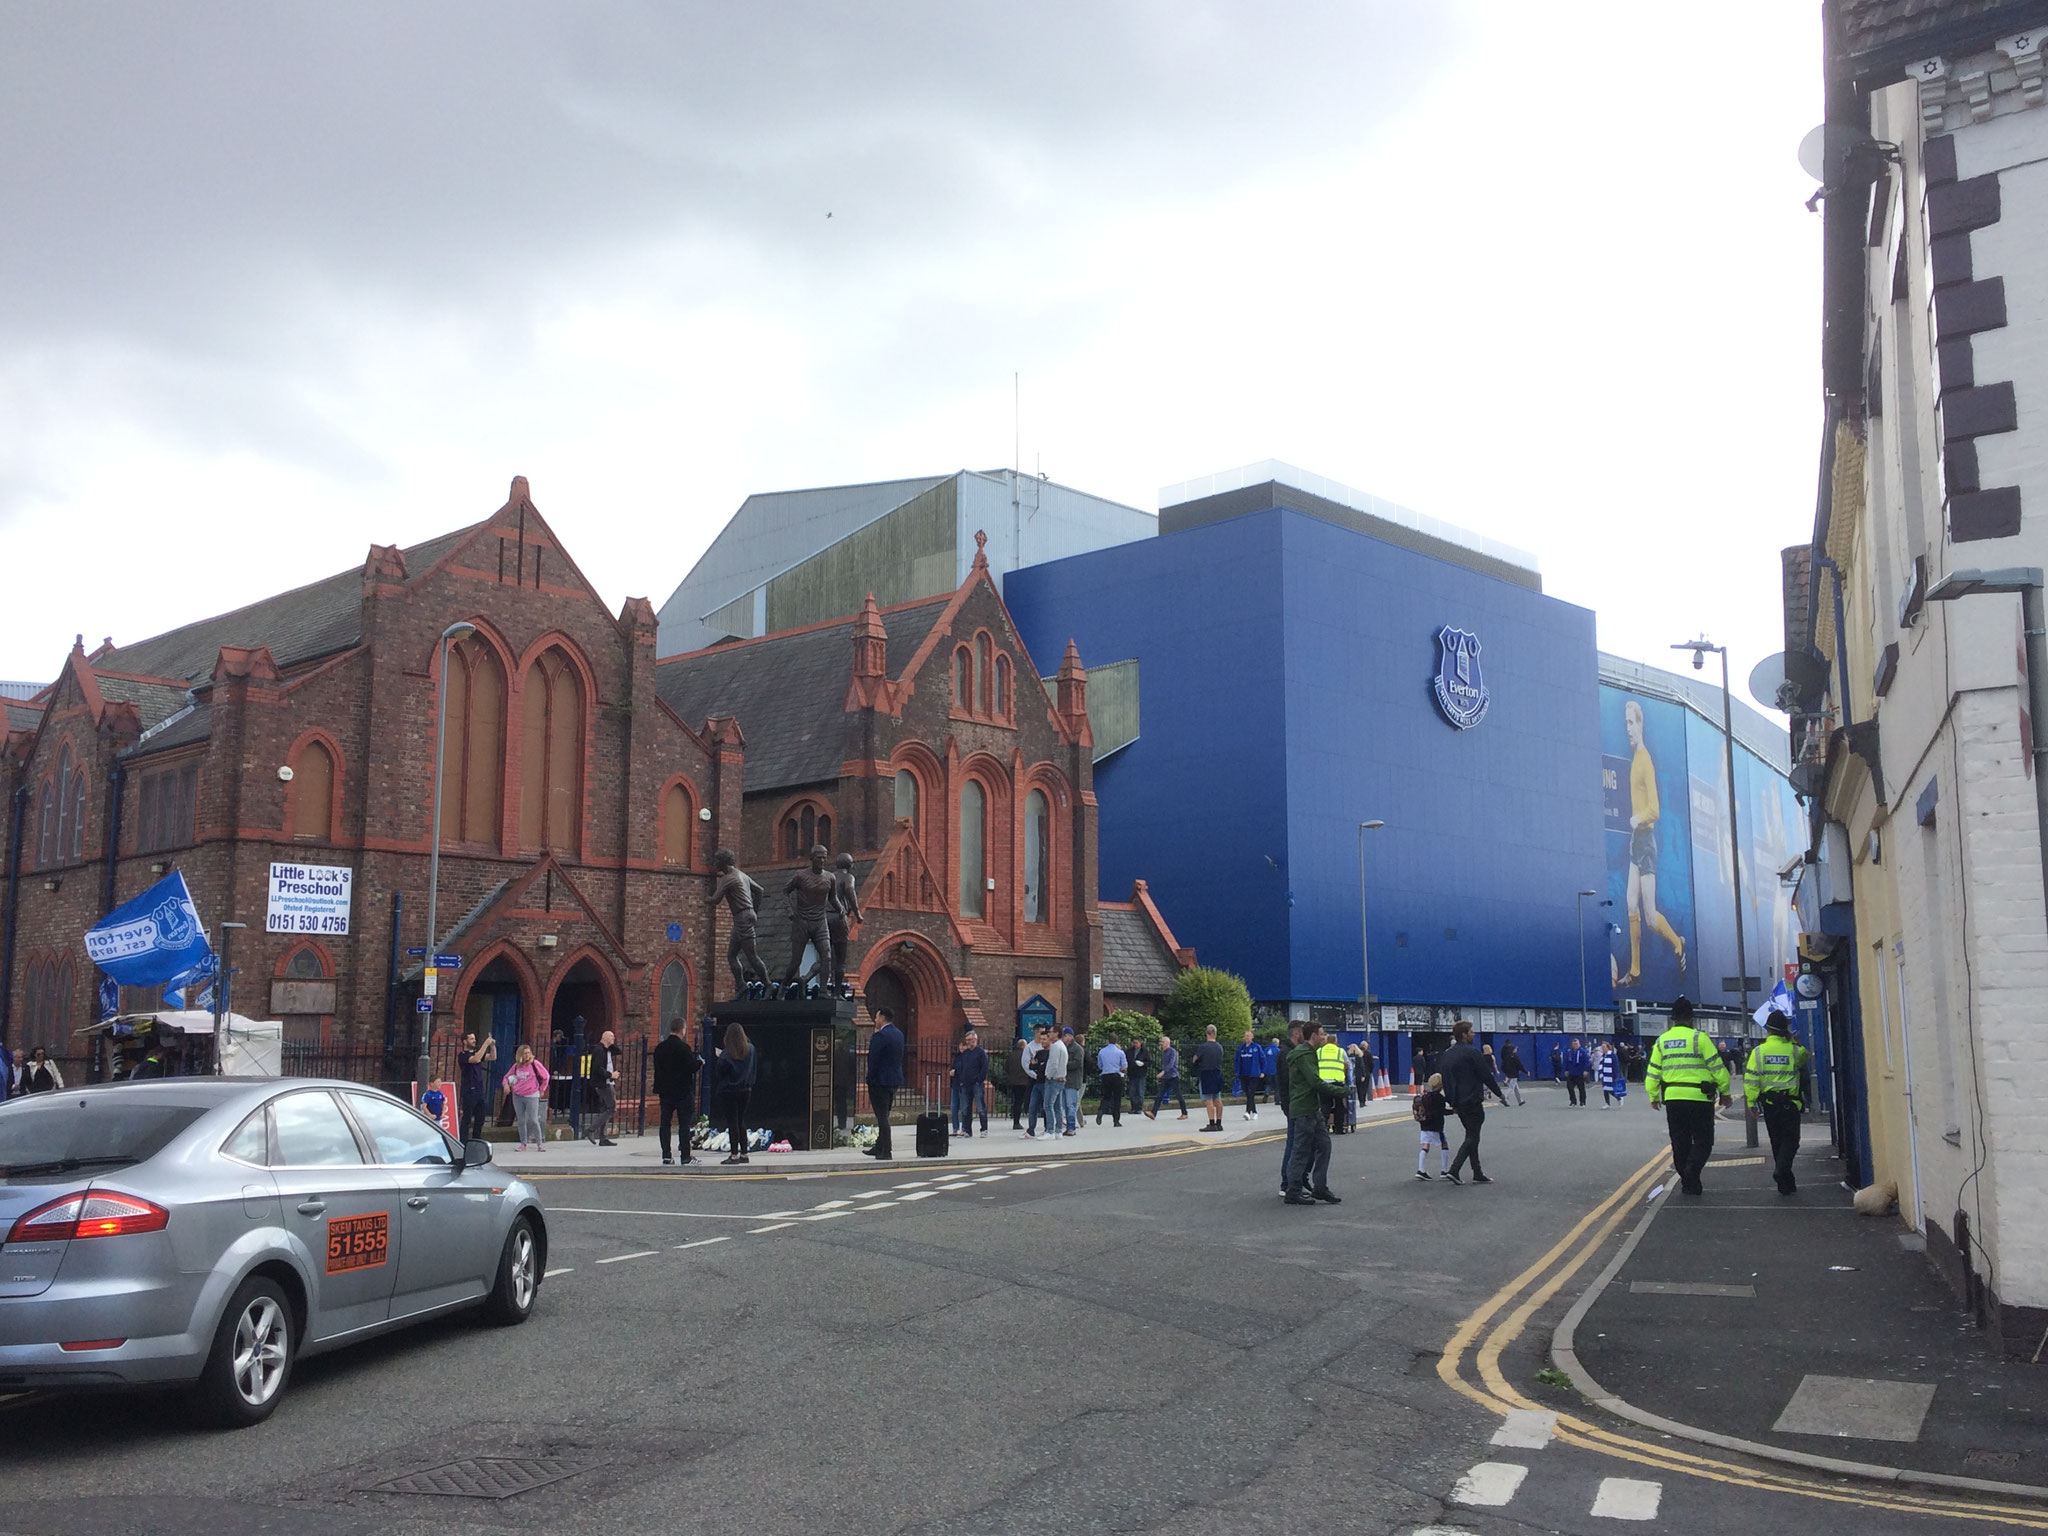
x=358, y=1242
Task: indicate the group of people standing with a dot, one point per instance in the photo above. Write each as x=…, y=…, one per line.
x=28, y=1072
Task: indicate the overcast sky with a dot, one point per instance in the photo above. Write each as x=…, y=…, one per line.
x=277, y=282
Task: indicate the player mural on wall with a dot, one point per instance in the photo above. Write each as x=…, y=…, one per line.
x=1645, y=811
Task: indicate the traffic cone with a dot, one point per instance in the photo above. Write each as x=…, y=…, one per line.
x=1414, y=1087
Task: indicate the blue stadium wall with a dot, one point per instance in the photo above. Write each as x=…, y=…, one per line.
x=1285, y=672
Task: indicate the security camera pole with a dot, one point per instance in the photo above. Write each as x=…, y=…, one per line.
x=423, y=1069
x=1699, y=649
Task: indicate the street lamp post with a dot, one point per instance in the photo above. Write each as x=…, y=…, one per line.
x=1582, y=954
x=220, y=995
x=423, y=1069
x=1364, y=949
x=1699, y=649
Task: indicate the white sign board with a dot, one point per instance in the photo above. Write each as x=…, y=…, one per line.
x=309, y=898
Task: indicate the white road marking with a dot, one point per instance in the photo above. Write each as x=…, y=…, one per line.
x=825, y=1216
x=1627, y=1498
x=1490, y=1484
x=830, y=1205
x=777, y=1227
x=702, y=1242
x=914, y=1184
x=993, y=1178
x=870, y=1194
x=1526, y=1429
x=874, y=1205
x=781, y=1215
x=620, y=1258
x=1028, y=1168
x=991, y=1168
x=605, y=1210
x=922, y=1194
x=564, y=1270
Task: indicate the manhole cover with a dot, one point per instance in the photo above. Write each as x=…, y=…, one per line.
x=483, y=1477
x=2000, y=1461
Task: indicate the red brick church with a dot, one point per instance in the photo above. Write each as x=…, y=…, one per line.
x=584, y=790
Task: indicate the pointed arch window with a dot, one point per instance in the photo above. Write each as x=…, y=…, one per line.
x=313, y=794
x=46, y=825
x=1037, y=857
x=973, y=849
x=675, y=826
x=906, y=797
x=64, y=809
x=473, y=761
x=675, y=994
x=1004, y=701
x=551, y=756
x=805, y=829
x=984, y=673
x=963, y=680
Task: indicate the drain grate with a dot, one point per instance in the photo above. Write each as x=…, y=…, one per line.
x=483, y=1477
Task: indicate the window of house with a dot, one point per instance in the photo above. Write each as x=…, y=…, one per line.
x=805, y=829
x=313, y=793
x=473, y=752
x=551, y=762
x=164, y=808
x=973, y=836
x=963, y=680
x=984, y=673
x=675, y=994
x=70, y=806
x=906, y=797
x=1037, y=856
x=1003, y=688
x=49, y=1004
x=675, y=826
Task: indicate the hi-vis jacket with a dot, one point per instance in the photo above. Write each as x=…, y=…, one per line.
x=1777, y=1065
x=1685, y=1068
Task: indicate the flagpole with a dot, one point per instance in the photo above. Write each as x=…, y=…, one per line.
x=220, y=995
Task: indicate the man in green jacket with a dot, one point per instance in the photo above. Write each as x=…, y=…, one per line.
x=1687, y=1077
x=1774, y=1082
x=1309, y=1102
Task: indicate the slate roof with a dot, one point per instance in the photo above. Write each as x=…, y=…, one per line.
x=1135, y=960
x=298, y=626
x=19, y=715
x=154, y=701
x=1883, y=26
x=180, y=731
x=788, y=691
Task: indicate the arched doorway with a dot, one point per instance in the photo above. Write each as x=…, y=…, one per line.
x=496, y=1010
x=583, y=996
x=886, y=988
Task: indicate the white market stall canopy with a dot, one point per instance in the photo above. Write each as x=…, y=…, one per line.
x=252, y=1048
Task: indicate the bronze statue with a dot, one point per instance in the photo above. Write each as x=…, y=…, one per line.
x=739, y=891
x=813, y=897
x=845, y=912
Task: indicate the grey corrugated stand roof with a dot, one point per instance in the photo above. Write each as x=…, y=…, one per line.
x=788, y=691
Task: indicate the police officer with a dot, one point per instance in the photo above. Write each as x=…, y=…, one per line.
x=1687, y=1077
x=1773, y=1081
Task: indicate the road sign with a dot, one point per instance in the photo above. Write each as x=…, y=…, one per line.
x=433, y=981
x=416, y=953
x=449, y=962
x=424, y=1005
x=675, y=933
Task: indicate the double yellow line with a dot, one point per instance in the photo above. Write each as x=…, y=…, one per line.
x=1500, y=1320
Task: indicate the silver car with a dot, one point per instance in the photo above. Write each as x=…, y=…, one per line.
x=209, y=1231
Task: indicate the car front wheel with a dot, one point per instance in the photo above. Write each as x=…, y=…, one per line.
x=511, y=1299
x=251, y=1360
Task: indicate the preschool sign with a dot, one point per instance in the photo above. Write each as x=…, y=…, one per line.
x=309, y=898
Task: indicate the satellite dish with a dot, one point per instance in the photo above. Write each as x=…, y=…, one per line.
x=1813, y=151
x=1780, y=681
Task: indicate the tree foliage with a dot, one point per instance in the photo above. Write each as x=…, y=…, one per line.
x=1201, y=997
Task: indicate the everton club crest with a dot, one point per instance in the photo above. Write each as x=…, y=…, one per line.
x=1460, y=690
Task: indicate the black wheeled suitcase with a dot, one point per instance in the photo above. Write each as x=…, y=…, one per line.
x=932, y=1134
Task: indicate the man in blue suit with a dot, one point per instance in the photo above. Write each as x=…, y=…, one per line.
x=885, y=1076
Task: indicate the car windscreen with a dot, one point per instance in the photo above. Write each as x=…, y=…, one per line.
x=54, y=1134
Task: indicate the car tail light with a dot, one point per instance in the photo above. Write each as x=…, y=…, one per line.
x=78, y=1344
x=95, y=1213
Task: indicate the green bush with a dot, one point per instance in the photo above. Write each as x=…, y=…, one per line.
x=1126, y=1026
x=1201, y=997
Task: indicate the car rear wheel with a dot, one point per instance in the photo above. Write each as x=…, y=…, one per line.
x=251, y=1360
x=511, y=1299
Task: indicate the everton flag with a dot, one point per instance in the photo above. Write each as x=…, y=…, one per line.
x=193, y=988
x=1780, y=1001
x=155, y=938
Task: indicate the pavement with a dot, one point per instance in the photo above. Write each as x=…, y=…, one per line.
x=1798, y=1328
x=999, y=1144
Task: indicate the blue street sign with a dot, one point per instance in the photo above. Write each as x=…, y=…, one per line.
x=675, y=933
x=416, y=953
x=448, y=962
x=424, y=1005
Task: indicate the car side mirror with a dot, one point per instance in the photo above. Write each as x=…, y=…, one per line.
x=476, y=1153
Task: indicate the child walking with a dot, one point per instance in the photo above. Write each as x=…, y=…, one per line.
x=1429, y=1115
x=1613, y=1076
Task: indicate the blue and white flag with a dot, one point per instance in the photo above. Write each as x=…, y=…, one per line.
x=155, y=938
x=110, y=998
x=192, y=989
x=1780, y=1001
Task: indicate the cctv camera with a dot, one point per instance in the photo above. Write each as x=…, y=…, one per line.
x=1699, y=661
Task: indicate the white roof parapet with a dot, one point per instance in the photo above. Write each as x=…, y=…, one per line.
x=1344, y=496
